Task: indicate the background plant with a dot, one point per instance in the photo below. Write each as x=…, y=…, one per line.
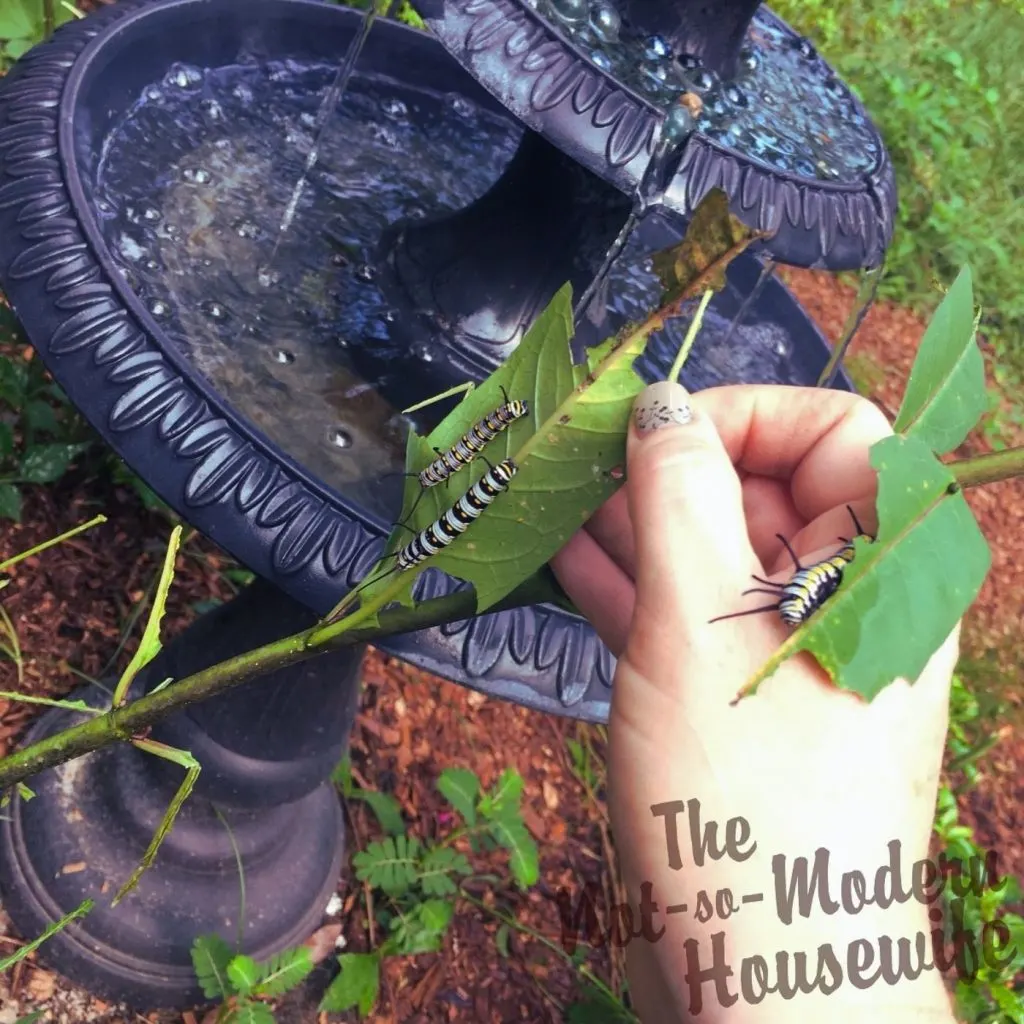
x=944, y=82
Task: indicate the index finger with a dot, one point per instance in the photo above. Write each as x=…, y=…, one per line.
x=814, y=438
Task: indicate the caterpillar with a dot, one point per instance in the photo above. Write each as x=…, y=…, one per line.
x=809, y=587
x=472, y=443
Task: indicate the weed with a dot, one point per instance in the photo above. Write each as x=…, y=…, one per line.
x=944, y=82
x=40, y=434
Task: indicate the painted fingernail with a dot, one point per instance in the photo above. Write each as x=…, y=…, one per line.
x=662, y=404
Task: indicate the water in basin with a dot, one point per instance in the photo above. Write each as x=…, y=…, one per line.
x=190, y=191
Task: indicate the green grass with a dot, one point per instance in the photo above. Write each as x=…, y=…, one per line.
x=944, y=82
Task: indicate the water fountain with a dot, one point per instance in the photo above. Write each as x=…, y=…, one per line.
x=255, y=378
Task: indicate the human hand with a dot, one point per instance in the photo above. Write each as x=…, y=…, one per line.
x=806, y=765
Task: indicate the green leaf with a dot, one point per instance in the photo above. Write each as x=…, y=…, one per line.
x=45, y=463
x=929, y=560
x=14, y=49
x=13, y=382
x=357, y=984
x=243, y=973
x=149, y=645
x=283, y=972
x=436, y=869
x=42, y=417
x=248, y=1012
x=10, y=502
x=523, y=860
x=946, y=395
x=461, y=788
x=20, y=18
x=390, y=865
x=501, y=940
x=30, y=1018
x=505, y=798
x=210, y=958
x=6, y=439
x=386, y=809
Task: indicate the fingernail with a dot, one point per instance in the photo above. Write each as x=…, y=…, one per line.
x=663, y=404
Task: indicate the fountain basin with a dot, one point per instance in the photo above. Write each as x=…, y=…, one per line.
x=246, y=480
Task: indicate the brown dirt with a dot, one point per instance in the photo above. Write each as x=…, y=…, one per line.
x=72, y=607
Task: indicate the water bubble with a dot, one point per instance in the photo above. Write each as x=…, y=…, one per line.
x=656, y=75
x=184, y=76
x=242, y=93
x=390, y=316
x=768, y=98
x=339, y=259
x=460, y=105
x=393, y=107
x=160, y=309
x=247, y=229
x=196, y=175
x=657, y=48
x=571, y=10
x=307, y=119
x=825, y=170
x=416, y=212
x=151, y=215
x=339, y=437
x=153, y=93
x=214, y=310
x=601, y=60
x=129, y=248
x=283, y=356
x=689, y=61
x=267, y=278
x=735, y=95
x=365, y=272
x=605, y=23
x=150, y=265
x=212, y=109
x=702, y=81
x=749, y=59
x=678, y=125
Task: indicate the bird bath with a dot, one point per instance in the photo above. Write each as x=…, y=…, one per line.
x=256, y=380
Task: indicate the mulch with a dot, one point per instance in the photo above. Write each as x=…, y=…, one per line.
x=73, y=609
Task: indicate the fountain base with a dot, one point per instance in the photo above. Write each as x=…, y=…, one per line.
x=255, y=852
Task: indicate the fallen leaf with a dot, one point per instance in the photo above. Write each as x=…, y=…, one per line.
x=73, y=868
x=321, y=943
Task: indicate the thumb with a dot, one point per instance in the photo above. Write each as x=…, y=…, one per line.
x=693, y=552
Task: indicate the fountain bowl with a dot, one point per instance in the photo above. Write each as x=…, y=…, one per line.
x=210, y=462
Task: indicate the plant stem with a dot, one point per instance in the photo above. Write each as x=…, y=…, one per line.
x=123, y=723
x=989, y=468
x=49, y=21
x=14, y=559
x=691, y=337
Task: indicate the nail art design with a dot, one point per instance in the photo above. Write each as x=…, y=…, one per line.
x=661, y=405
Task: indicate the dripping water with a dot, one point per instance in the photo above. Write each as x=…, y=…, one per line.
x=649, y=193
x=767, y=272
x=862, y=304
x=332, y=100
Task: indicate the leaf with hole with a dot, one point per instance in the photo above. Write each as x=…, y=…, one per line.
x=391, y=865
x=946, y=394
x=929, y=560
x=461, y=788
x=210, y=958
x=566, y=449
x=357, y=985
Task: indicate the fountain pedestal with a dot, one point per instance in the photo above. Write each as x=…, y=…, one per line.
x=263, y=820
